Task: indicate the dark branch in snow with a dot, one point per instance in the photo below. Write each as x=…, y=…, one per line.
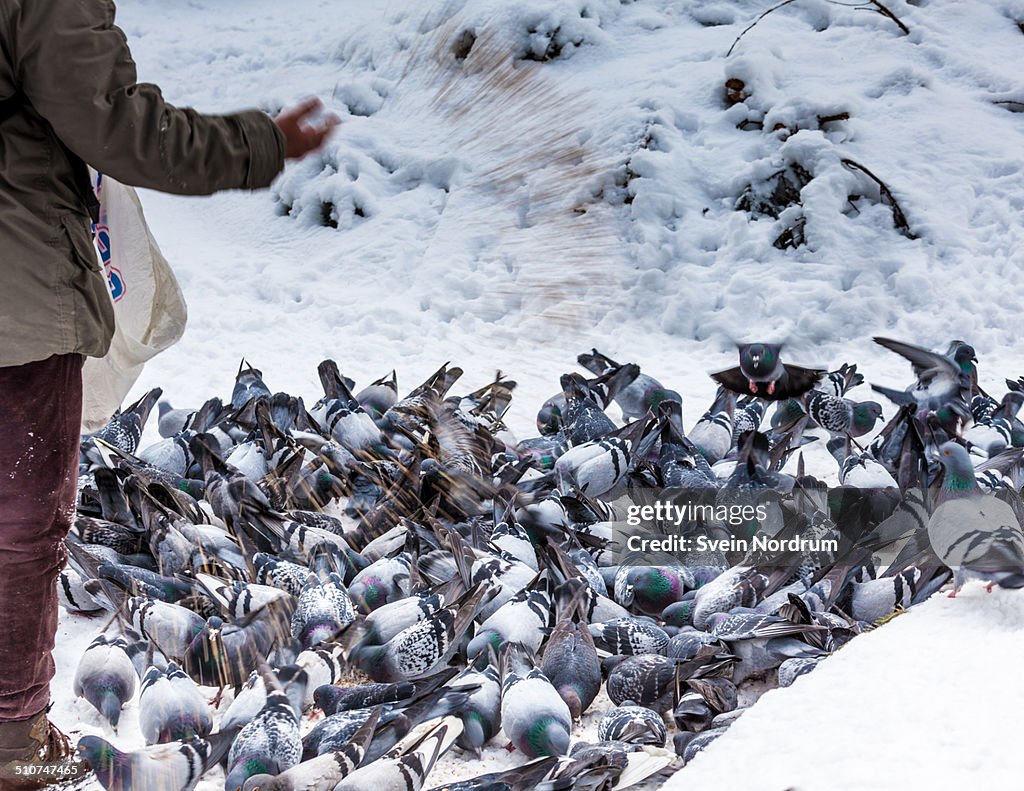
x=751, y=25
x=899, y=219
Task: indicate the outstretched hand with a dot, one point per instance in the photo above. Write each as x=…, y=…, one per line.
x=302, y=137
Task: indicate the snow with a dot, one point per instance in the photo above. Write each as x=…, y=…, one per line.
x=508, y=214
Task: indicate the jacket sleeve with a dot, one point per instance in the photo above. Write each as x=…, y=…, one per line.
x=76, y=70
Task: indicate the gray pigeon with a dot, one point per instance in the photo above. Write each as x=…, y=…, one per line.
x=425, y=647
x=176, y=766
x=640, y=396
x=977, y=535
x=712, y=435
x=171, y=707
x=323, y=772
x=942, y=381
x=762, y=373
x=324, y=609
x=570, y=660
x=481, y=715
x=106, y=677
x=632, y=724
x=629, y=636
x=762, y=642
x=269, y=744
x=533, y=715
x=792, y=669
x=525, y=619
x=384, y=581
x=406, y=766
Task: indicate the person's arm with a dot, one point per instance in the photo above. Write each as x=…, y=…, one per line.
x=76, y=70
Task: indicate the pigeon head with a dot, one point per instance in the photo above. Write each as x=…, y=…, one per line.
x=326, y=697
x=963, y=354
x=262, y=782
x=678, y=613
x=368, y=594
x=547, y=736
x=101, y=756
x=572, y=699
x=759, y=359
x=368, y=657
x=479, y=645
x=474, y=732
x=956, y=463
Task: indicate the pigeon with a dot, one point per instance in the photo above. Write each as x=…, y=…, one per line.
x=688, y=744
x=629, y=636
x=171, y=707
x=761, y=642
x=379, y=396
x=283, y=574
x=171, y=421
x=942, y=382
x=323, y=772
x=405, y=768
x=481, y=714
x=740, y=586
x=386, y=621
x=842, y=417
x=594, y=468
x=124, y=430
x=792, y=669
x=270, y=743
x=524, y=619
x=632, y=724
x=712, y=435
x=975, y=534
x=249, y=385
x=176, y=766
x=747, y=416
x=650, y=589
x=642, y=395
x=681, y=463
x=72, y=595
x=533, y=715
x=384, y=581
x=874, y=599
x=570, y=660
x=688, y=642
x=584, y=416
x=649, y=680
x=762, y=373
x=323, y=610
x=424, y=647
x=106, y=677
x=860, y=470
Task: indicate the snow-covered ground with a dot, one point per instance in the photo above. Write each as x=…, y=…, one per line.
x=509, y=213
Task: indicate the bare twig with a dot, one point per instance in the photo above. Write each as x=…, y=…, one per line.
x=899, y=219
x=775, y=7
x=886, y=12
x=876, y=6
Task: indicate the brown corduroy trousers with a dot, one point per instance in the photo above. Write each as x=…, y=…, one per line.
x=40, y=418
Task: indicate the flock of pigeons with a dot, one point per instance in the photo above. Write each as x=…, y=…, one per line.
x=402, y=572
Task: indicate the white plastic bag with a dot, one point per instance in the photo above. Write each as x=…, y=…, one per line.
x=149, y=309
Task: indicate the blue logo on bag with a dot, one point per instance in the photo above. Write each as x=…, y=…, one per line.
x=116, y=283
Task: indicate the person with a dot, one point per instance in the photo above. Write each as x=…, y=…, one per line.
x=73, y=99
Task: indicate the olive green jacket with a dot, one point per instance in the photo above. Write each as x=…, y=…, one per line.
x=73, y=89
